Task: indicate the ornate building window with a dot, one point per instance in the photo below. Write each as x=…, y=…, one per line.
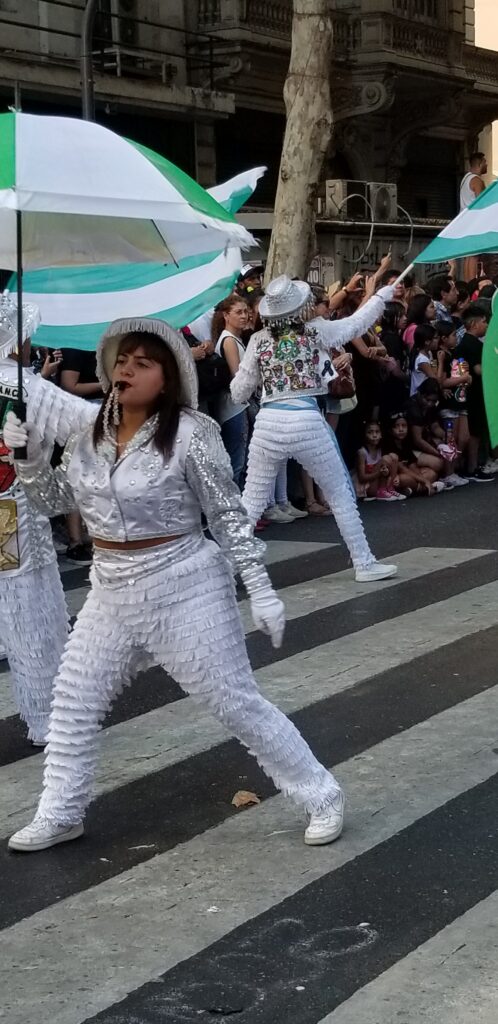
x=431, y=11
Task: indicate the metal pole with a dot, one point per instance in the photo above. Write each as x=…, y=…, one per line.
x=19, y=453
x=86, y=64
x=20, y=406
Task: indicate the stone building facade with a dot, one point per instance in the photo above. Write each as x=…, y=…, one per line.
x=201, y=81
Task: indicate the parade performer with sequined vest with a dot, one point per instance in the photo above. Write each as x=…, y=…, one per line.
x=33, y=616
x=161, y=592
x=290, y=361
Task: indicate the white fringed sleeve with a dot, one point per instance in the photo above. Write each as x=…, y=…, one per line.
x=56, y=413
x=248, y=377
x=336, y=333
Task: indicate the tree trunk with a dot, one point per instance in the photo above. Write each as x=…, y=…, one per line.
x=307, y=136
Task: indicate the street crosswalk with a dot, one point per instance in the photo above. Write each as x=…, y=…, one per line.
x=175, y=907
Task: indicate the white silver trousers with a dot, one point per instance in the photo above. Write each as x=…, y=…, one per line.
x=174, y=605
x=302, y=434
x=34, y=629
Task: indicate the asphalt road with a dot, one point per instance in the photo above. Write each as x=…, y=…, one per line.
x=177, y=907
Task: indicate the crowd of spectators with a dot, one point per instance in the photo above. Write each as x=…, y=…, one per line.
x=414, y=423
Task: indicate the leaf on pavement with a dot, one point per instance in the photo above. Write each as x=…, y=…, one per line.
x=243, y=798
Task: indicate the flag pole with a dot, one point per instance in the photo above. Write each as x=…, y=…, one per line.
x=403, y=275
x=19, y=453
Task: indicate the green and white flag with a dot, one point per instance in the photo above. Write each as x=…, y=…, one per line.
x=473, y=231
x=88, y=196
x=77, y=303
x=490, y=374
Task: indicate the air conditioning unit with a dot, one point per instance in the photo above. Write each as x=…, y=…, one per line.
x=360, y=200
x=125, y=25
x=384, y=201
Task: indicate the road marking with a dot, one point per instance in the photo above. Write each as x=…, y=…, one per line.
x=81, y=955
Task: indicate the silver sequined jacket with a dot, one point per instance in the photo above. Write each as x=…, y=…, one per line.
x=143, y=494
x=57, y=414
x=294, y=362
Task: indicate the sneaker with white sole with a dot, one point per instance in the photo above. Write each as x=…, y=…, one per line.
x=456, y=480
x=275, y=514
x=40, y=834
x=291, y=510
x=375, y=571
x=326, y=826
x=384, y=494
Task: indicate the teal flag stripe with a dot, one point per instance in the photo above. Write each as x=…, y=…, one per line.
x=237, y=199
x=86, y=336
x=105, y=277
x=442, y=249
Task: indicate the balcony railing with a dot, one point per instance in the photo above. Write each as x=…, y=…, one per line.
x=481, y=64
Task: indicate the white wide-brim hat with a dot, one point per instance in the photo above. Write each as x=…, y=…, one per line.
x=108, y=346
x=8, y=323
x=284, y=297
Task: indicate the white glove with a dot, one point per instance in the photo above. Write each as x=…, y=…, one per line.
x=20, y=435
x=386, y=293
x=15, y=433
x=268, y=614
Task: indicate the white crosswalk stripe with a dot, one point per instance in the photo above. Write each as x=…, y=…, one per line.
x=133, y=925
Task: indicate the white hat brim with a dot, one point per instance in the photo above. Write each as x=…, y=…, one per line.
x=110, y=341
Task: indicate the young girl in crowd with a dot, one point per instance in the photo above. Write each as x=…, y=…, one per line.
x=453, y=385
x=231, y=319
x=421, y=363
x=376, y=474
x=420, y=311
x=411, y=478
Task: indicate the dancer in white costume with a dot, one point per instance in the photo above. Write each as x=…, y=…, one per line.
x=290, y=360
x=159, y=588
x=33, y=616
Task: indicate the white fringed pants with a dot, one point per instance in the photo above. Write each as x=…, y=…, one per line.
x=302, y=434
x=176, y=604
x=34, y=629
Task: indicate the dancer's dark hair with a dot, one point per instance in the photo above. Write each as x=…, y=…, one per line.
x=167, y=404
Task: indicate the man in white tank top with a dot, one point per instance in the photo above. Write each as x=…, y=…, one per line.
x=471, y=186
x=472, y=183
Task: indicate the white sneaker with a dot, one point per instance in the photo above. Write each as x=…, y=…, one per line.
x=456, y=480
x=41, y=834
x=491, y=466
x=375, y=571
x=326, y=826
x=291, y=510
x=438, y=487
x=275, y=514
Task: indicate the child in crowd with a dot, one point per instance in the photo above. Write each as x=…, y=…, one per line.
x=411, y=478
x=470, y=349
x=453, y=378
x=375, y=473
x=427, y=436
x=421, y=361
x=462, y=303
